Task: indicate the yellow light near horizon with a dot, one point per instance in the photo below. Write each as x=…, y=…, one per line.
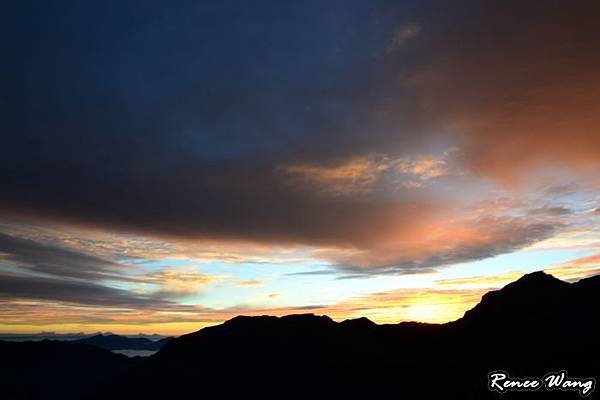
x=433, y=313
x=418, y=305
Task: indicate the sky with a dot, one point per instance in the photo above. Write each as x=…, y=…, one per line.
x=166, y=166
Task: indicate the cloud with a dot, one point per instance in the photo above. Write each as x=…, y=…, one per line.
x=431, y=305
x=56, y=261
x=131, y=249
x=350, y=177
x=517, y=88
x=577, y=269
x=242, y=151
x=423, y=167
x=244, y=203
x=438, y=242
x=367, y=174
x=326, y=144
x=178, y=282
x=250, y=283
x=317, y=272
x=406, y=238
x=402, y=35
x=548, y=210
x=53, y=272
x=74, y=292
x=572, y=270
x=443, y=301
x=479, y=282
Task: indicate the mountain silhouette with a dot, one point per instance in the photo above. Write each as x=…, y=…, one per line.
x=51, y=369
x=116, y=342
x=535, y=325
x=536, y=290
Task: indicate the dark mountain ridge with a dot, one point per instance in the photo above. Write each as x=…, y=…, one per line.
x=535, y=325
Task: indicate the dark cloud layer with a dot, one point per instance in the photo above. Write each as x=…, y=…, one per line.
x=52, y=260
x=78, y=292
x=177, y=120
x=34, y=270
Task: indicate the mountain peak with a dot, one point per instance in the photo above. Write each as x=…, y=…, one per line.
x=362, y=322
x=536, y=275
x=537, y=280
x=537, y=291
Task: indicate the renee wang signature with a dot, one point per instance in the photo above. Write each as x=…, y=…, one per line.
x=502, y=382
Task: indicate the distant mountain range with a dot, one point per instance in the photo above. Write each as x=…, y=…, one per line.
x=535, y=325
x=116, y=342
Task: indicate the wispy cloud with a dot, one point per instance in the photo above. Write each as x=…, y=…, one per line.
x=361, y=175
x=402, y=35
x=346, y=178
x=55, y=261
x=433, y=243
x=250, y=283
x=178, y=282
x=73, y=292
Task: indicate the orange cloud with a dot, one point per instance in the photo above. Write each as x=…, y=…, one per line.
x=250, y=283
x=360, y=174
x=387, y=237
x=423, y=167
x=179, y=281
x=518, y=94
x=440, y=240
x=351, y=176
